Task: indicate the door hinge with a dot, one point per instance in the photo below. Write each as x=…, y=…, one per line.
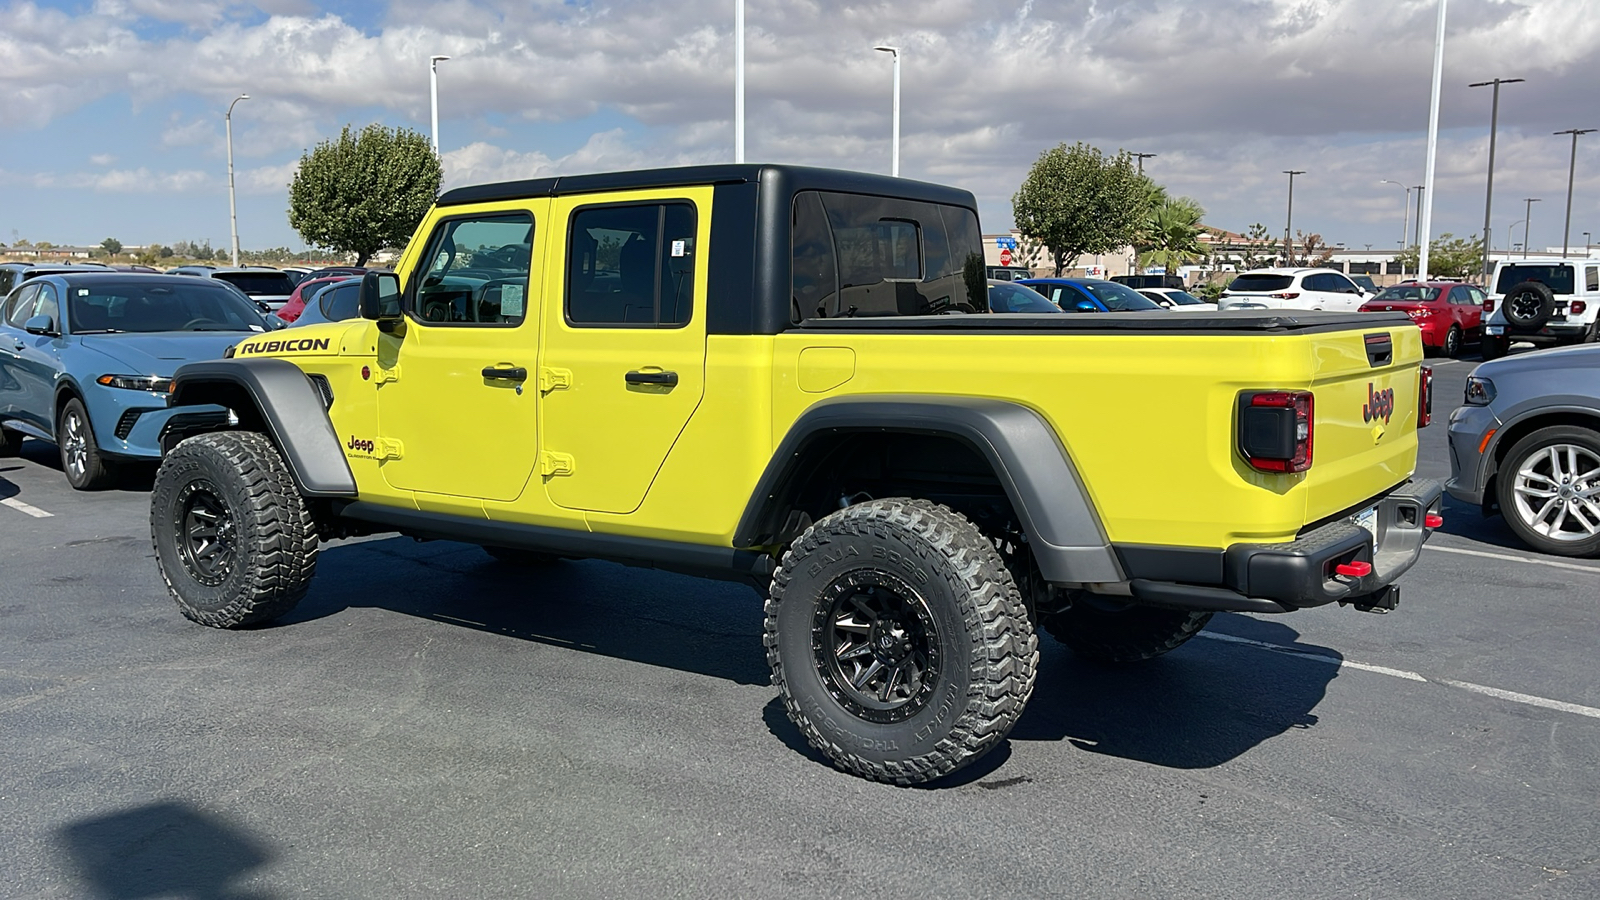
x=554, y=379
x=381, y=375
x=387, y=448
x=552, y=463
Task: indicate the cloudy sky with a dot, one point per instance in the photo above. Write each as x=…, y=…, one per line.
x=111, y=111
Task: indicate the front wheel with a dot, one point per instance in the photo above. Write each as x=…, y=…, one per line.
x=1549, y=490
x=898, y=640
x=85, y=466
x=233, y=537
x=1452, y=343
x=1110, y=632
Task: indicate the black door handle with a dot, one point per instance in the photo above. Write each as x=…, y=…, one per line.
x=670, y=379
x=516, y=373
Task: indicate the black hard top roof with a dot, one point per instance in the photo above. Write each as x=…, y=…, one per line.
x=791, y=178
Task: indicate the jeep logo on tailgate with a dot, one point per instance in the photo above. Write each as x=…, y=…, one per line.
x=1380, y=405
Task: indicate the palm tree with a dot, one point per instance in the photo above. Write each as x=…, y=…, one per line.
x=1172, y=236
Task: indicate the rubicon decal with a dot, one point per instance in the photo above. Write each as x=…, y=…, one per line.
x=300, y=346
x=1380, y=405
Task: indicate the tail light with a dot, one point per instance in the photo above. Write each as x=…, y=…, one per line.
x=1425, y=397
x=1287, y=295
x=1488, y=304
x=1276, y=430
x=1420, y=312
x=1576, y=308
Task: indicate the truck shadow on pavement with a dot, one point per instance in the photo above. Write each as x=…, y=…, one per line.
x=164, y=849
x=1201, y=705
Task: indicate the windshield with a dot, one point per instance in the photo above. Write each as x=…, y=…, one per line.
x=1005, y=297
x=1554, y=276
x=147, y=306
x=1408, y=292
x=1117, y=297
x=268, y=284
x=1262, y=283
x=1184, y=298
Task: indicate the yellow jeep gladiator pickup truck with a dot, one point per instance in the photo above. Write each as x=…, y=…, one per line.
x=790, y=376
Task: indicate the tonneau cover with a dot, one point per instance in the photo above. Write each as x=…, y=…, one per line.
x=1274, y=321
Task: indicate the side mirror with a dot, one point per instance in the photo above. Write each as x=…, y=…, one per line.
x=1086, y=306
x=40, y=325
x=380, y=296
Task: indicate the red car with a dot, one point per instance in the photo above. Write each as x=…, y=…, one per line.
x=303, y=292
x=1448, y=312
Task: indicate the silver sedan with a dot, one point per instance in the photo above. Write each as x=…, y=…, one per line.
x=1527, y=444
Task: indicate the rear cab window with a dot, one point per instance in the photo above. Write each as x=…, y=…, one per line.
x=1557, y=277
x=1260, y=284
x=860, y=255
x=259, y=284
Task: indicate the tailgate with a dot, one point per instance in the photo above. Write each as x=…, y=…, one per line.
x=1367, y=388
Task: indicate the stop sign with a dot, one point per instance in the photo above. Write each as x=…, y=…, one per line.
x=1005, y=257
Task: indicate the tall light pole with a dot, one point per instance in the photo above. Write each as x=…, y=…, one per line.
x=1418, y=239
x=1488, y=194
x=1405, y=220
x=894, y=153
x=433, y=90
x=1527, y=223
x=1586, y=243
x=1572, y=168
x=1288, y=225
x=1141, y=157
x=1425, y=213
x=738, y=81
x=233, y=209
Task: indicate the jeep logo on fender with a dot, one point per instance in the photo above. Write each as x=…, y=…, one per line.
x=1380, y=405
x=359, y=445
x=283, y=346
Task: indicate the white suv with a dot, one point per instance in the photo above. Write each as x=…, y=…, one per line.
x=1292, y=289
x=1543, y=301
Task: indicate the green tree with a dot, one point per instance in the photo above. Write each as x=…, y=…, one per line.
x=1448, y=256
x=365, y=190
x=1260, y=248
x=1172, y=234
x=112, y=246
x=1076, y=200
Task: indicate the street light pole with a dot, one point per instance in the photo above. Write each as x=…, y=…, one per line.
x=1572, y=168
x=894, y=141
x=1418, y=241
x=1527, y=223
x=233, y=209
x=433, y=90
x=1405, y=219
x=1425, y=215
x=1488, y=194
x=1288, y=225
x=1141, y=157
x=738, y=81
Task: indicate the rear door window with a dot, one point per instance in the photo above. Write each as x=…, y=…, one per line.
x=1591, y=278
x=632, y=265
x=1558, y=278
x=341, y=302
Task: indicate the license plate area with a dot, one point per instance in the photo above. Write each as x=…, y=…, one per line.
x=1367, y=520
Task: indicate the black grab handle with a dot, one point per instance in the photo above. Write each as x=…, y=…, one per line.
x=517, y=373
x=670, y=379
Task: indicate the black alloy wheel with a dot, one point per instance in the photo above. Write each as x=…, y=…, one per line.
x=206, y=535
x=1452, y=342
x=875, y=646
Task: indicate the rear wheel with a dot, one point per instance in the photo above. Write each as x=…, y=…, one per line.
x=86, y=467
x=1494, y=346
x=10, y=443
x=1119, y=633
x=1549, y=490
x=233, y=537
x=898, y=640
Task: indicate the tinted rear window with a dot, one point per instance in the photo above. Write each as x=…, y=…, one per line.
x=259, y=283
x=1556, y=277
x=340, y=302
x=857, y=255
x=1408, y=293
x=1249, y=282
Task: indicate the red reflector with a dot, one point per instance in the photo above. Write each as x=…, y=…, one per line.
x=1432, y=521
x=1354, y=569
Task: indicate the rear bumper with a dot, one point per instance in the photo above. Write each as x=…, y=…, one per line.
x=1553, y=333
x=1300, y=574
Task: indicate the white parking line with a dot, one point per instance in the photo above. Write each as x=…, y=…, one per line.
x=1513, y=696
x=1593, y=570
x=21, y=507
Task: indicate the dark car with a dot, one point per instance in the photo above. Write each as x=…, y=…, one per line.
x=1366, y=283
x=15, y=273
x=1149, y=281
x=1091, y=295
x=1448, y=312
x=1008, y=273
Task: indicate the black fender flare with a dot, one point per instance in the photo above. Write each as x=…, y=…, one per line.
x=1032, y=464
x=291, y=410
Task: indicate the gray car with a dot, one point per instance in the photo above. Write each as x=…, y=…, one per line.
x=1527, y=443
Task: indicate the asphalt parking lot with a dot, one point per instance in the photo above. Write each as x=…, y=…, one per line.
x=430, y=723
